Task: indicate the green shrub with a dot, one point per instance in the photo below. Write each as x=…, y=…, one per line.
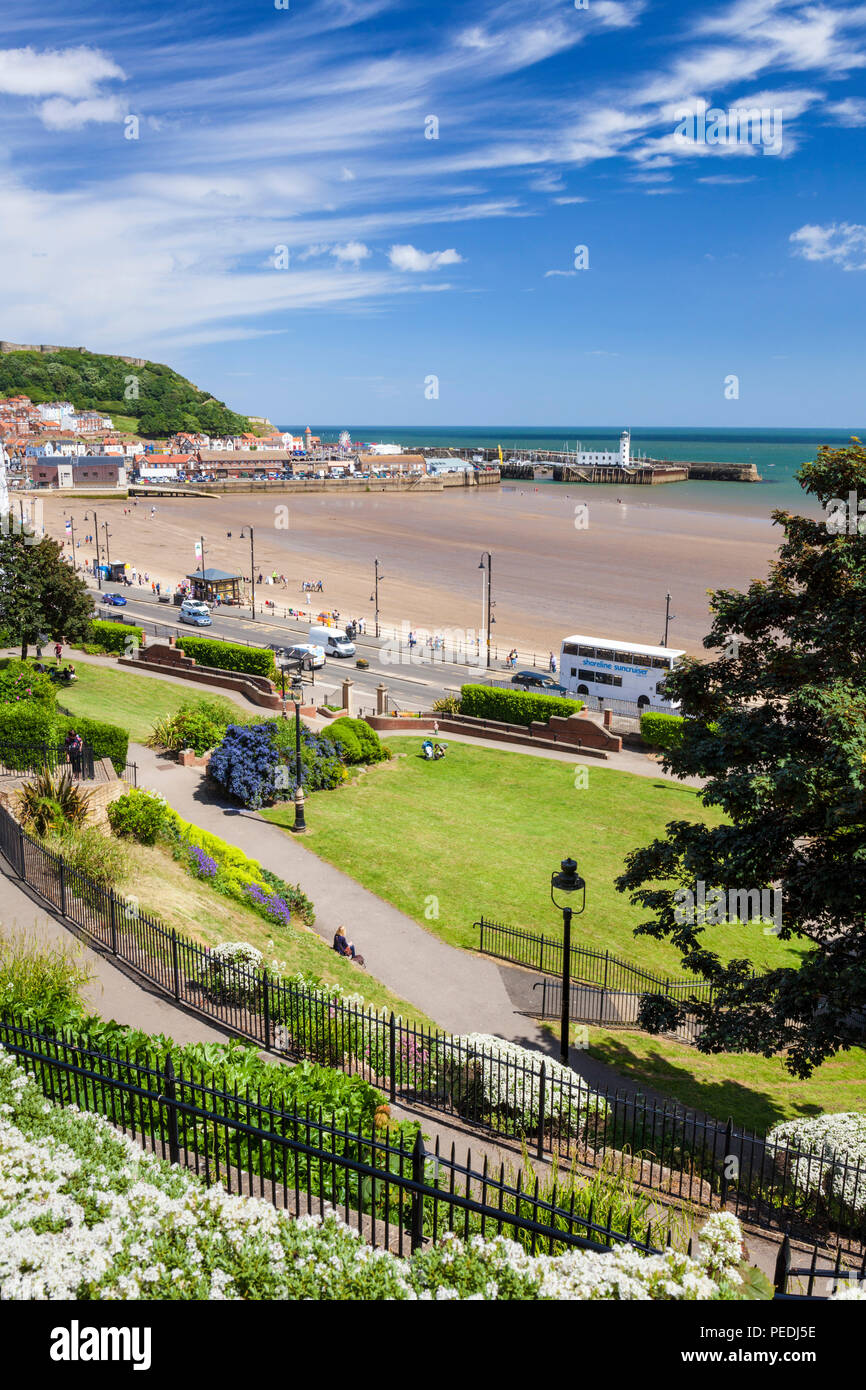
x=447, y=704
x=229, y=656
x=106, y=740
x=19, y=682
x=514, y=706
x=199, y=724
x=114, y=637
x=101, y=858
x=41, y=983
x=661, y=730
x=359, y=743
x=28, y=722
x=138, y=815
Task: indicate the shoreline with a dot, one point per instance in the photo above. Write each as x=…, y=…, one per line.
x=551, y=576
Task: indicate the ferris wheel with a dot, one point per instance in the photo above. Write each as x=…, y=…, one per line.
x=345, y=440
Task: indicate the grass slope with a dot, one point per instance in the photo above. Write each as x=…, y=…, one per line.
x=481, y=831
x=756, y=1092
x=164, y=888
x=131, y=701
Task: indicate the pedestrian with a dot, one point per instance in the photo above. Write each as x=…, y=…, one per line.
x=58, y=652
x=73, y=745
x=552, y=664
x=157, y=590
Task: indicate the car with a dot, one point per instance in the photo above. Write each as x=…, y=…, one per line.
x=538, y=680
x=195, y=613
x=114, y=600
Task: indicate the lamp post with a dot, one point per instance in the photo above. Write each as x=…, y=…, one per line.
x=490, y=619
x=668, y=616
x=251, y=530
x=107, y=551
x=567, y=880
x=93, y=517
x=374, y=597
x=300, y=824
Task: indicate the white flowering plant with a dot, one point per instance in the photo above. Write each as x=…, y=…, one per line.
x=85, y=1214
x=231, y=972
x=494, y=1079
x=828, y=1157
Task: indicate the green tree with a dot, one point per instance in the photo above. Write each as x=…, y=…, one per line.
x=39, y=592
x=776, y=724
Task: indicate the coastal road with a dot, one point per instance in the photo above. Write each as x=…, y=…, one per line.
x=413, y=679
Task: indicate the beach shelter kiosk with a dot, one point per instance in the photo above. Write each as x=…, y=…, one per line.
x=207, y=585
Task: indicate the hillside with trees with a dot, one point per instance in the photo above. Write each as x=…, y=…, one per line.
x=159, y=400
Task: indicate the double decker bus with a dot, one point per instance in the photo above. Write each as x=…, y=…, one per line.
x=609, y=669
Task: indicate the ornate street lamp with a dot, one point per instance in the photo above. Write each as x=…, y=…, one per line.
x=568, y=881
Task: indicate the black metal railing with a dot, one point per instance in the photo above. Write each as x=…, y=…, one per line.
x=820, y=1276
x=29, y=758
x=603, y=1006
x=396, y=1194
x=685, y=1156
x=130, y=774
x=609, y=973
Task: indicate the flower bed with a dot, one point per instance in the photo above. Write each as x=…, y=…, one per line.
x=831, y=1159
x=84, y=1214
x=494, y=1079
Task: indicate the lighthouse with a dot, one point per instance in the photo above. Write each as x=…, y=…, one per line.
x=624, y=448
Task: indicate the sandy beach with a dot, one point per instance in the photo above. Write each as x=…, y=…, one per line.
x=552, y=575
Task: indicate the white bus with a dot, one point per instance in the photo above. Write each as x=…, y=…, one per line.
x=614, y=670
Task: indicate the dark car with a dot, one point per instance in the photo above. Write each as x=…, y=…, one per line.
x=114, y=600
x=538, y=680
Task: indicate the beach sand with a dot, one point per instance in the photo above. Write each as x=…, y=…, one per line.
x=551, y=576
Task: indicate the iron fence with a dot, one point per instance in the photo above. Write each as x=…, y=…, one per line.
x=18, y=758
x=609, y=973
x=686, y=1157
x=130, y=774
x=603, y=1006
x=396, y=1194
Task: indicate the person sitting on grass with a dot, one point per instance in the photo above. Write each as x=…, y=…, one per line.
x=342, y=945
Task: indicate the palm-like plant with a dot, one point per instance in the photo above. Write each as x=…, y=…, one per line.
x=52, y=800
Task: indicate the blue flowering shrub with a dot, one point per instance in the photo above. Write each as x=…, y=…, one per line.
x=256, y=763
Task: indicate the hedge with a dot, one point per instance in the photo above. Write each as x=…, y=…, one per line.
x=27, y=722
x=114, y=636
x=106, y=740
x=514, y=706
x=661, y=730
x=229, y=656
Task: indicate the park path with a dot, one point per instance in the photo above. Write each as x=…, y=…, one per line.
x=463, y=993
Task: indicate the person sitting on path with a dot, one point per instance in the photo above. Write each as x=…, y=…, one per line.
x=342, y=945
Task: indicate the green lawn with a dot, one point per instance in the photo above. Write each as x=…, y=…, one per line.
x=756, y=1092
x=132, y=701
x=481, y=831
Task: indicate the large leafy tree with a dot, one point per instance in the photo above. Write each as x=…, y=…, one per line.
x=776, y=724
x=40, y=594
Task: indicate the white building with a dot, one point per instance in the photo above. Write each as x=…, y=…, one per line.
x=382, y=449
x=607, y=458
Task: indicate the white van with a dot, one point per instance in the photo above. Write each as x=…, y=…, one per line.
x=301, y=650
x=333, y=639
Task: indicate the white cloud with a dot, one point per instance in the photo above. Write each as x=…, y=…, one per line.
x=843, y=243
x=352, y=253
x=68, y=72
x=58, y=113
x=410, y=258
x=850, y=112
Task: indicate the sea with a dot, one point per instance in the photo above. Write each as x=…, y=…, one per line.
x=778, y=454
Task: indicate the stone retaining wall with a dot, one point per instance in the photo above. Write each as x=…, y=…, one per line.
x=574, y=731
x=170, y=661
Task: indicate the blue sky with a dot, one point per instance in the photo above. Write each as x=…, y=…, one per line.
x=406, y=258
